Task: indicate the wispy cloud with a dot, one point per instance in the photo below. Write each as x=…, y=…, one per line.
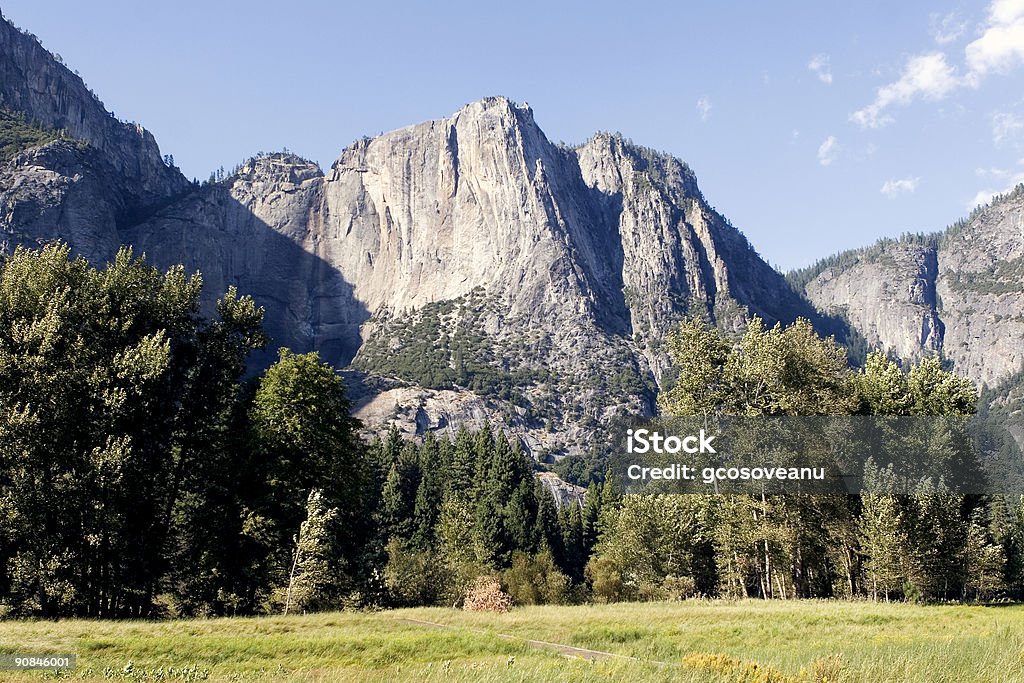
x=947, y=28
x=931, y=77
x=926, y=76
x=704, y=108
x=819, y=64
x=1006, y=127
x=828, y=151
x=993, y=172
x=893, y=188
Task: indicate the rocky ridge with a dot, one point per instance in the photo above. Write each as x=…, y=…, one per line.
x=97, y=175
x=469, y=270
x=471, y=259
x=959, y=293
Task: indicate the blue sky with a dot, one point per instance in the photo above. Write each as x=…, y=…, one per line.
x=813, y=126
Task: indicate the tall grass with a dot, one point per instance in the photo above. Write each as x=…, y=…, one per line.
x=769, y=642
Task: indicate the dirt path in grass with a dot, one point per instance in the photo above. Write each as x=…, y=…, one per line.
x=564, y=650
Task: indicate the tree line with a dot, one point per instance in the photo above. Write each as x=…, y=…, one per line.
x=143, y=473
x=931, y=543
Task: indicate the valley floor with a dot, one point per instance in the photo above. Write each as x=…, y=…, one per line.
x=769, y=642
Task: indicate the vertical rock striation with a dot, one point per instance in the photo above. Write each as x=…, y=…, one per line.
x=959, y=294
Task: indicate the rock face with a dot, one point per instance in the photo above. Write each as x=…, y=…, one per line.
x=33, y=81
x=63, y=190
x=889, y=296
x=100, y=174
x=959, y=293
x=980, y=290
x=485, y=270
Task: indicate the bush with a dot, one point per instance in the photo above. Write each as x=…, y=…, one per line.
x=415, y=577
x=605, y=579
x=485, y=595
x=536, y=580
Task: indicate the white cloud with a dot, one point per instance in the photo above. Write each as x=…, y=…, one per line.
x=704, y=108
x=1001, y=45
x=828, y=151
x=819, y=64
x=947, y=28
x=992, y=172
x=1006, y=127
x=1008, y=178
x=894, y=188
x=926, y=76
x=1005, y=11
x=929, y=76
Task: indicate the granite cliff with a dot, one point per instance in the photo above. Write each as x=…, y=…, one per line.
x=98, y=175
x=471, y=269
x=958, y=293
x=468, y=270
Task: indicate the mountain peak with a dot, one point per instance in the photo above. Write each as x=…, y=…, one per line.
x=35, y=82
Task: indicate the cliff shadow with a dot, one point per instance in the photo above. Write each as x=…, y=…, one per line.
x=598, y=240
x=308, y=304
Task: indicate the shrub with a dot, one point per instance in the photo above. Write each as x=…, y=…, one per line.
x=485, y=595
x=415, y=577
x=536, y=580
x=606, y=579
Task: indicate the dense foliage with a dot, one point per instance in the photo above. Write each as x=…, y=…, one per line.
x=136, y=469
x=141, y=474
x=450, y=511
x=934, y=544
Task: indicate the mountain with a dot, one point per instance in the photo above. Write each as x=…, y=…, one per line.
x=467, y=269
x=958, y=293
x=470, y=269
x=95, y=175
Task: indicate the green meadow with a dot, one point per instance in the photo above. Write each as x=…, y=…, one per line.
x=748, y=641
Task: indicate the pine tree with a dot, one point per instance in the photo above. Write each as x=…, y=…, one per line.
x=462, y=479
x=548, y=532
x=520, y=517
x=591, y=517
x=574, y=559
x=398, y=498
x=493, y=547
x=429, y=493
x=483, y=449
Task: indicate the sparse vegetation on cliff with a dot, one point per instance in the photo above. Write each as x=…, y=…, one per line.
x=17, y=134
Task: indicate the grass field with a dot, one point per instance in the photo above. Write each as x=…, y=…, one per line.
x=750, y=641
